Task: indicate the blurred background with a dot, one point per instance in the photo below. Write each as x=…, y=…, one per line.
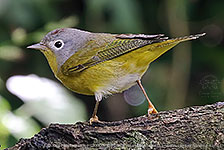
x=31, y=97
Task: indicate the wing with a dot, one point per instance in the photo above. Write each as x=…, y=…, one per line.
x=121, y=44
x=114, y=46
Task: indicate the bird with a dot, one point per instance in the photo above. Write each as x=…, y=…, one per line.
x=103, y=64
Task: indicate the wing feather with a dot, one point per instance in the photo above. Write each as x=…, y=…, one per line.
x=119, y=45
x=112, y=50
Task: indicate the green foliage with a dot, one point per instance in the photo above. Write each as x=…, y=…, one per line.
x=4, y=133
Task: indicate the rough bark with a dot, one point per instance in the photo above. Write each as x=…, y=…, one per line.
x=198, y=127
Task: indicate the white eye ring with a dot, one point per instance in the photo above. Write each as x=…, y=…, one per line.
x=58, y=44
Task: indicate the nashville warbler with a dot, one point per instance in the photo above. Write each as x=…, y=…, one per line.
x=102, y=64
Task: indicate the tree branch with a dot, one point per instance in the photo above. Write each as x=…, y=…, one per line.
x=198, y=127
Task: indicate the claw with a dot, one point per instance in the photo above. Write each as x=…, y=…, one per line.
x=152, y=110
x=93, y=119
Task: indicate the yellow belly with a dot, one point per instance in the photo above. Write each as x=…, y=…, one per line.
x=116, y=75
x=113, y=76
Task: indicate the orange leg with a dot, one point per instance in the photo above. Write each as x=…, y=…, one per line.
x=94, y=118
x=151, y=108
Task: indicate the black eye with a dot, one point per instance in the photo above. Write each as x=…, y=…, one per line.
x=58, y=44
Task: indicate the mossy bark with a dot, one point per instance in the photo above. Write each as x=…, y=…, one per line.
x=198, y=127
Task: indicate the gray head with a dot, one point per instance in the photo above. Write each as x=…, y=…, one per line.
x=63, y=43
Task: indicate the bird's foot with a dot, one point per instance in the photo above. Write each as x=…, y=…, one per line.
x=152, y=110
x=94, y=119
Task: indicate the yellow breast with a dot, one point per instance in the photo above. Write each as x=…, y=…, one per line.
x=109, y=77
x=116, y=75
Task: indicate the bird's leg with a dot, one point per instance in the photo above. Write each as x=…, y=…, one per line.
x=94, y=117
x=151, y=108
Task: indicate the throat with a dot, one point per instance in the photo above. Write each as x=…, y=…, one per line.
x=52, y=61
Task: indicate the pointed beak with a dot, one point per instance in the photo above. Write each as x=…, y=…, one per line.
x=38, y=46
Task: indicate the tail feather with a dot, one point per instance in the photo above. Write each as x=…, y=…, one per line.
x=157, y=49
x=175, y=41
x=186, y=38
